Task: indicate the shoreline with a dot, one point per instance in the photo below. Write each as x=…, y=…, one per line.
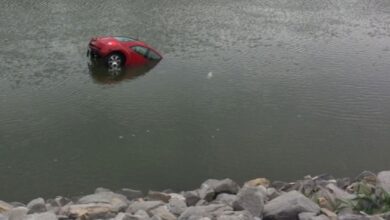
x=322, y=197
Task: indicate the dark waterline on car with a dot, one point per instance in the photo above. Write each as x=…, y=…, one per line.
x=246, y=89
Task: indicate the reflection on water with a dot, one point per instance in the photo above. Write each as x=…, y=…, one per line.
x=103, y=75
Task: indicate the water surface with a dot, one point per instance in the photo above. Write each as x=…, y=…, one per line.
x=246, y=89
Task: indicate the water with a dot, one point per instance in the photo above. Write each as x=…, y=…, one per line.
x=265, y=88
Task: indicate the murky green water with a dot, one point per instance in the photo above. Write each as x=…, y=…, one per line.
x=296, y=87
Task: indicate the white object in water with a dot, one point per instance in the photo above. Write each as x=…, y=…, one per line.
x=209, y=75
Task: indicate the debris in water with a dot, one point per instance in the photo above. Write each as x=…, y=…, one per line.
x=209, y=75
x=120, y=137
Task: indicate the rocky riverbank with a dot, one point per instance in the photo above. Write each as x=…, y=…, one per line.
x=366, y=197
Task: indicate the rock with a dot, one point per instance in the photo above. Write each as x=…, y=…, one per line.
x=5, y=207
x=155, y=218
x=251, y=199
x=272, y=193
x=206, y=193
x=192, y=197
x=146, y=206
x=163, y=213
x=366, y=176
x=343, y=182
x=131, y=193
x=142, y=213
x=306, y=215
x=101, y=189
x=353, y=217
x=62, y=201
x=311, y=216
x=224, y=198
x=331, y=215
x=280, y=185
x=3, y=217
x=323, y=177
x=90, y=210
x=328, y=197
x=258, y=182
x=177, y=206
x=41, y=216
x=339, y=193
x=222, y=186
x=127, y=216
x=117, y=201
x=36, y=206
x=307, y=186
x=17, y=204
x=55, y=205
x=240, y=215
x=153, y=195
x=383, y=181
x=201, y=202
x=288, y=206
x=17, y=213
x=198, y=212
x=177, y=196
x=123, y=216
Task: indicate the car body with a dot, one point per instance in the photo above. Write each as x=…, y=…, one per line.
x=118, y=51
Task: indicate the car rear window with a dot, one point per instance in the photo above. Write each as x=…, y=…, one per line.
x=153, y=56
x=125, y=39
x=140, y=50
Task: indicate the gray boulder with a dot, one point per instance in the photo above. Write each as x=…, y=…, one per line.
x=177, y=206
x=288, y=206
x=5, y=207
x=146, y=206
x=91, y=210
x=159, y=196
x=191, y=197
x=251, y=199
x=240, y=215
x=102, y=189
x=17, y=213
x=312, y=216
x=131, y=193
x=3, y=217
x=206, y=193
x=353, y=217
x=383, y=180
x=224, y=198
x=41, y=216
x=127, y=216
x=163, y=212
x=36, y=206
x=272, y=193
x=222, y=186
x=366, y=176
x=198, y=212
x=117, y=201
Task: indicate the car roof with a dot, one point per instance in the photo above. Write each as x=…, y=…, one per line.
x=131, y=41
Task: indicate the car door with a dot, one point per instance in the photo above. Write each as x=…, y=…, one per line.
x=138, y=55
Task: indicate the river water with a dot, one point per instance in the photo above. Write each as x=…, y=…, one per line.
x=254, y=88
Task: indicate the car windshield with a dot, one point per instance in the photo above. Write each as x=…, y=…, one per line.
x=125, y=39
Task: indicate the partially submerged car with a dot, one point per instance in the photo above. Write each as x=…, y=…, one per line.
x=117, y=51
x=103, y=75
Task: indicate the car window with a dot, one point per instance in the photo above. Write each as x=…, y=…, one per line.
x=140, y=50
x=153, y=56
x=124, y=39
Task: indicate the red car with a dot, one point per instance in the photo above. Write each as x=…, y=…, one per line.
x=122, y=51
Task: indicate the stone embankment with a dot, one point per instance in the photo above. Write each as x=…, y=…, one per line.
x=366, y=197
